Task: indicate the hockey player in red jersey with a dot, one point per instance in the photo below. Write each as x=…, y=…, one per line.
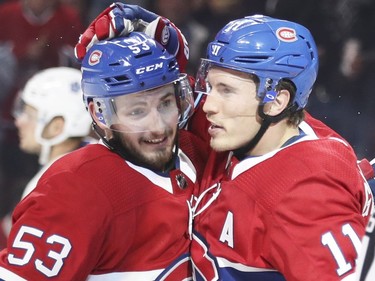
x=291, y=205
x=116, y=210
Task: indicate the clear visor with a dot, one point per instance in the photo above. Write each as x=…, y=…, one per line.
x=150, y=110
x=265, y=85
x=233, y=89
x=224, y=77
x=201, y=84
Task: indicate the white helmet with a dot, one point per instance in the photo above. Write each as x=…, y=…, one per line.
x=57, y=92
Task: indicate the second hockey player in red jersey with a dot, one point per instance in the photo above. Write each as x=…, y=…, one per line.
x=286, y=203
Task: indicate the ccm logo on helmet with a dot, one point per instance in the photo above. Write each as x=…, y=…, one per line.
x=149, y=68
x=95, y=57
x=286, y=34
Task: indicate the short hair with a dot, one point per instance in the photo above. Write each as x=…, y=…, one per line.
x=295, y=117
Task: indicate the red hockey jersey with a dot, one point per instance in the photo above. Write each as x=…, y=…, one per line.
x=94, y=216
x=294, y=214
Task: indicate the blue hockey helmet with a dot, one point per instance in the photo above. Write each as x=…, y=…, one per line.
x=129, y=65
x=272, y=49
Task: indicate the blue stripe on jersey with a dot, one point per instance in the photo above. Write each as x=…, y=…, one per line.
x=169, y=273
x=231, y=274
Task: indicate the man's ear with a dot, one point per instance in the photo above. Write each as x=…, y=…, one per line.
x=54, y=128
x=92, y=111
x=280, y=102
x=100, y=127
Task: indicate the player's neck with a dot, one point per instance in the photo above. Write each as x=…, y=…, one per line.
x=274, y=138
x=64, y=148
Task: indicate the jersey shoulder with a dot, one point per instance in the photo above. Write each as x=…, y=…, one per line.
x=324, y=165
x=95, y=173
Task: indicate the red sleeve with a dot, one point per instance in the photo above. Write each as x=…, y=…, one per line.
x=322, y=130
x=52, y=235
x=316, y=228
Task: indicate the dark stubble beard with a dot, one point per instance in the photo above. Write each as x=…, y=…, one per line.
x=160, y=160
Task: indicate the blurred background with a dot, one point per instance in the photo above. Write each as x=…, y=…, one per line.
x=37, y=34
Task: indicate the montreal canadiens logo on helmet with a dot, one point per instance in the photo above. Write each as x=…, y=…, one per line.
x=286, y=34
x=165, y=34
x=95, y=57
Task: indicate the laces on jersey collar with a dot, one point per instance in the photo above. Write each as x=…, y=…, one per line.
x=194, y=203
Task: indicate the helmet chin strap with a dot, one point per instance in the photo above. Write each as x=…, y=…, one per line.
x=47, y=144
x=44, y=154
x=267, y=120
x=115, y=146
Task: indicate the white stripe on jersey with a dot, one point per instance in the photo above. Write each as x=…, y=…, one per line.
x=222, y=262
x=250, y=162
x=6, y=275
x=122, y=276
x=186, y=166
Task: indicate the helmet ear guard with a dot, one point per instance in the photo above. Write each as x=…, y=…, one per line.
x=100, y=108
x=270, y=92
x=96, y=113
x=98, y=123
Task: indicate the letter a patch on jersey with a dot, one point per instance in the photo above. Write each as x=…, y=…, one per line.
x=227, y=232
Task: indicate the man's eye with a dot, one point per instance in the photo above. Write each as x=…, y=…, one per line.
x=166, y=103
x=136, y=112
x=226, y=91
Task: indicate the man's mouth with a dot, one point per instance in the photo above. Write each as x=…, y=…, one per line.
x=214, y=126
x=155, y=141
x=214, y=129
